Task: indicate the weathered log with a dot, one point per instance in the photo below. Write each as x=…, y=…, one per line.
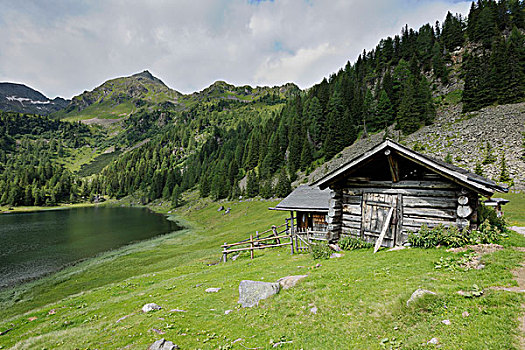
x=431, y=212
x=432, y=202
x=405, y=184
x=404, y=191
x=464, y=211
x=462, y=200
x=354, y=209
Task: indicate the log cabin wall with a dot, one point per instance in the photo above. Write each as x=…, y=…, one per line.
x=431, y=202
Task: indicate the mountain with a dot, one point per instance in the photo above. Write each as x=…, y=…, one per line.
x=23, y=99
x=120, y=97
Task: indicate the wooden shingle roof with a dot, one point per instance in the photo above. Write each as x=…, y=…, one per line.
x=306, y=198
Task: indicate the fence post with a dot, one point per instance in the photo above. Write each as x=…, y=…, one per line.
x=251, y=246
x=224, y=253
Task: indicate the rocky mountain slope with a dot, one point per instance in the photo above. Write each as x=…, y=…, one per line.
x=23, y=99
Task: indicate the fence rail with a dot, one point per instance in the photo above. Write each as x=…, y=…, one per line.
x=277, y=236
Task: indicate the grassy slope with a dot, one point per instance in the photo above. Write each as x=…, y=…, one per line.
x=360, y=297
x=515, y=209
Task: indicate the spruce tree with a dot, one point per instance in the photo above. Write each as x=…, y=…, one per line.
x=283, y=187
x=504, y=175
x=252, y=185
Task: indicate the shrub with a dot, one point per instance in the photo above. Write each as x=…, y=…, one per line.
x=453, y=237
x=487, y=213
x=320, y=250
x=351, y=243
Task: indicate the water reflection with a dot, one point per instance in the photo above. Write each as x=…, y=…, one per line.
x=33, y=244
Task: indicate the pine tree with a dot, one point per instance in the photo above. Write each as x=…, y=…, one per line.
x=479, y=169
x=252, y=185
x=385, y=112
x=306, y=154
x=504, y=175
x=176, y=196
x=283, y=187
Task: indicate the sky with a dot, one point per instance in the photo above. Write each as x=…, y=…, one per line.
x=63, y=47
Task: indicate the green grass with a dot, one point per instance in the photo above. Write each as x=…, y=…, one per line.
x=360, y=297
x=97, y=164
x=514, y=211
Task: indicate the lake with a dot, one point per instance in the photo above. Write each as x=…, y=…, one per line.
x=38, y=243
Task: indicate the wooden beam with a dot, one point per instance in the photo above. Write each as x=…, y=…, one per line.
x=383, y=231
x=393, y=165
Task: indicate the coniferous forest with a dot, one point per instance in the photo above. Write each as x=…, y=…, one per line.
x=232, y=147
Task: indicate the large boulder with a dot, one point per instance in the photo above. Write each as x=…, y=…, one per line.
x=163, y=344
x=250, y=292
x=290, y=281
x=418, y=294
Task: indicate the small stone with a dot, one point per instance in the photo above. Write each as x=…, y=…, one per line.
x=446, y=322
x=177, y=310
x=52, y=312
x=290, y=281
x=158, y=331
x=335, y=255
x=318, y=265
x=396, y=248
x=163, y=344
x=213, y=290
x=227, y=312
x=433, y=341
x=235, y=257
x=313, y=310
x=465, y=314
x=480, y=267
x=150, y=307
x=335, y=247
x=221, y=208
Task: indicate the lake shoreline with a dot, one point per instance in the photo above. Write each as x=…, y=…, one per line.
x=16, y=279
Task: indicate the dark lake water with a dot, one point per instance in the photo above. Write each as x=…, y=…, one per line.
x=35, y=244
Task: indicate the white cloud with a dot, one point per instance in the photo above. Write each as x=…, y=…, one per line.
x=63, y=49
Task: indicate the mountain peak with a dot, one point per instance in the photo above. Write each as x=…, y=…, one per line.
x=146, y=75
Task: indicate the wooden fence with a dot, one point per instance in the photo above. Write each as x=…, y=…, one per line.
x=270, y=238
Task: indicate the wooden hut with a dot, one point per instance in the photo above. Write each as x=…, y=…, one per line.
x=308, y=207
x=391, y=190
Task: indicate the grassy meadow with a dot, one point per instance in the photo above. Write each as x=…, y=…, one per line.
x=360, y=297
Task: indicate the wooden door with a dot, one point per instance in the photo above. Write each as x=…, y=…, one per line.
x=375, y=210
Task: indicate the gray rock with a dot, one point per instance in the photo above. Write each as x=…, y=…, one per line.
x=335, y=247
x=313, y=310
x=290, y=281
x=418, y=294
x=227, y=312
x=433, y=341
x=221, y=208
x=251, y=292
x=446, y=322
x=212, y=290
x=228, y=211
x=150, y=307
x=335, y=255
x=163, y=344
x=396, y=248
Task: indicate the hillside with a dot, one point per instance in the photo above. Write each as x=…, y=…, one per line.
x=117, y=98
x=356, y=301
x=23, y=99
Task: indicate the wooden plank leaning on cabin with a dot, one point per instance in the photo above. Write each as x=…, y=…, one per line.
x=386, y=224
